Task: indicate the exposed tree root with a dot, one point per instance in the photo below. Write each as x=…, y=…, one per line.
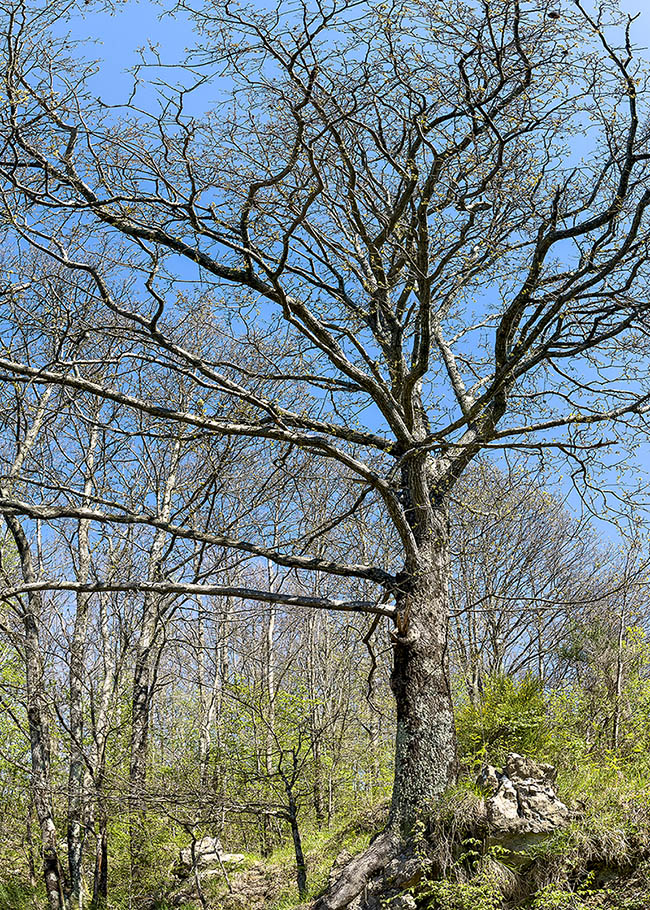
x=356, y=874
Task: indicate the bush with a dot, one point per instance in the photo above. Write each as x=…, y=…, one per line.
x=460, y=896
x=511, y=717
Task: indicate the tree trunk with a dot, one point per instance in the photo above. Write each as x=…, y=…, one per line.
x=39, y=734
x=37, y=713
x=76, y=774
x=143, y=686
x=77, y=796
x=140, y=714
x=301, y=866
x=98, y=816
x=292, y=818
x=425, y=751
x=100, y=877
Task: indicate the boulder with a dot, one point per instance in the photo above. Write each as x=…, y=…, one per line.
x=522, y=798
x=209, y=855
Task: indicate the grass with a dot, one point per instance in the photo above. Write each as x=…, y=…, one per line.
x=17, y=896
x=322, y=847
x=601, y=861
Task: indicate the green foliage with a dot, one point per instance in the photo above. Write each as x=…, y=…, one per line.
x=587, y=897
x=584, y=714
x=511, y=717
x=158, y=843
x=445, y=895
x=17, y=896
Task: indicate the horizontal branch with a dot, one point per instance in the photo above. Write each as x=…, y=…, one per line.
x=303, y=439
x=307, y=563
x=180, y=588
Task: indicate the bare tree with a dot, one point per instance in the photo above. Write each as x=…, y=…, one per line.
x=389, y=198
x=523, y=567
x=30, y=610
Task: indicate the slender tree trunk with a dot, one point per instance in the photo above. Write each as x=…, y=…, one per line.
x=39, y=734
x=140, y=715
x=206, y=701
x=76, y=771
x=100, y=876
x=98, y=816
x=425, y=752
x=37, y=715
x=77, y=796
x=292, y=817
x=318, y=787
x=618, y=683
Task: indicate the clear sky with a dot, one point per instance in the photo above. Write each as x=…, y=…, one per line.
x=135, y=24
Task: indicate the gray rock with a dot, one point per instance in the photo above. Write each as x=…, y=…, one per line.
x=342, y=859
x=209, y=855
x=403, y=902
x=489, y=778
x=522, y=797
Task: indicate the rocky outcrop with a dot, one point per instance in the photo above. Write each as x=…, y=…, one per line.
x=520, y=807
x=522, y=797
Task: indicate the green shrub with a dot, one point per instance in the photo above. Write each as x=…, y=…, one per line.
x=460, y=896
x=511, y=717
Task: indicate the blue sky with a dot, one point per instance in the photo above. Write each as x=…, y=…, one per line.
x=133, y=25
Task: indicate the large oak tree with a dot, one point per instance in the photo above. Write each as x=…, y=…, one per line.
x=405, y=234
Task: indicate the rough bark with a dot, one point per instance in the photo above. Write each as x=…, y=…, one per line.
x=351, y=880
x=425, y=752
x=425, y=749
x=143, y=677
x=425, y=743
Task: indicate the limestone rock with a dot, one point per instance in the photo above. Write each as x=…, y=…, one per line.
x=403, y=902
x=522, y=797
x=209, y=855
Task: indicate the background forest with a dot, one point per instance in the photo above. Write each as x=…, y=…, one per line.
x=273, y=728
